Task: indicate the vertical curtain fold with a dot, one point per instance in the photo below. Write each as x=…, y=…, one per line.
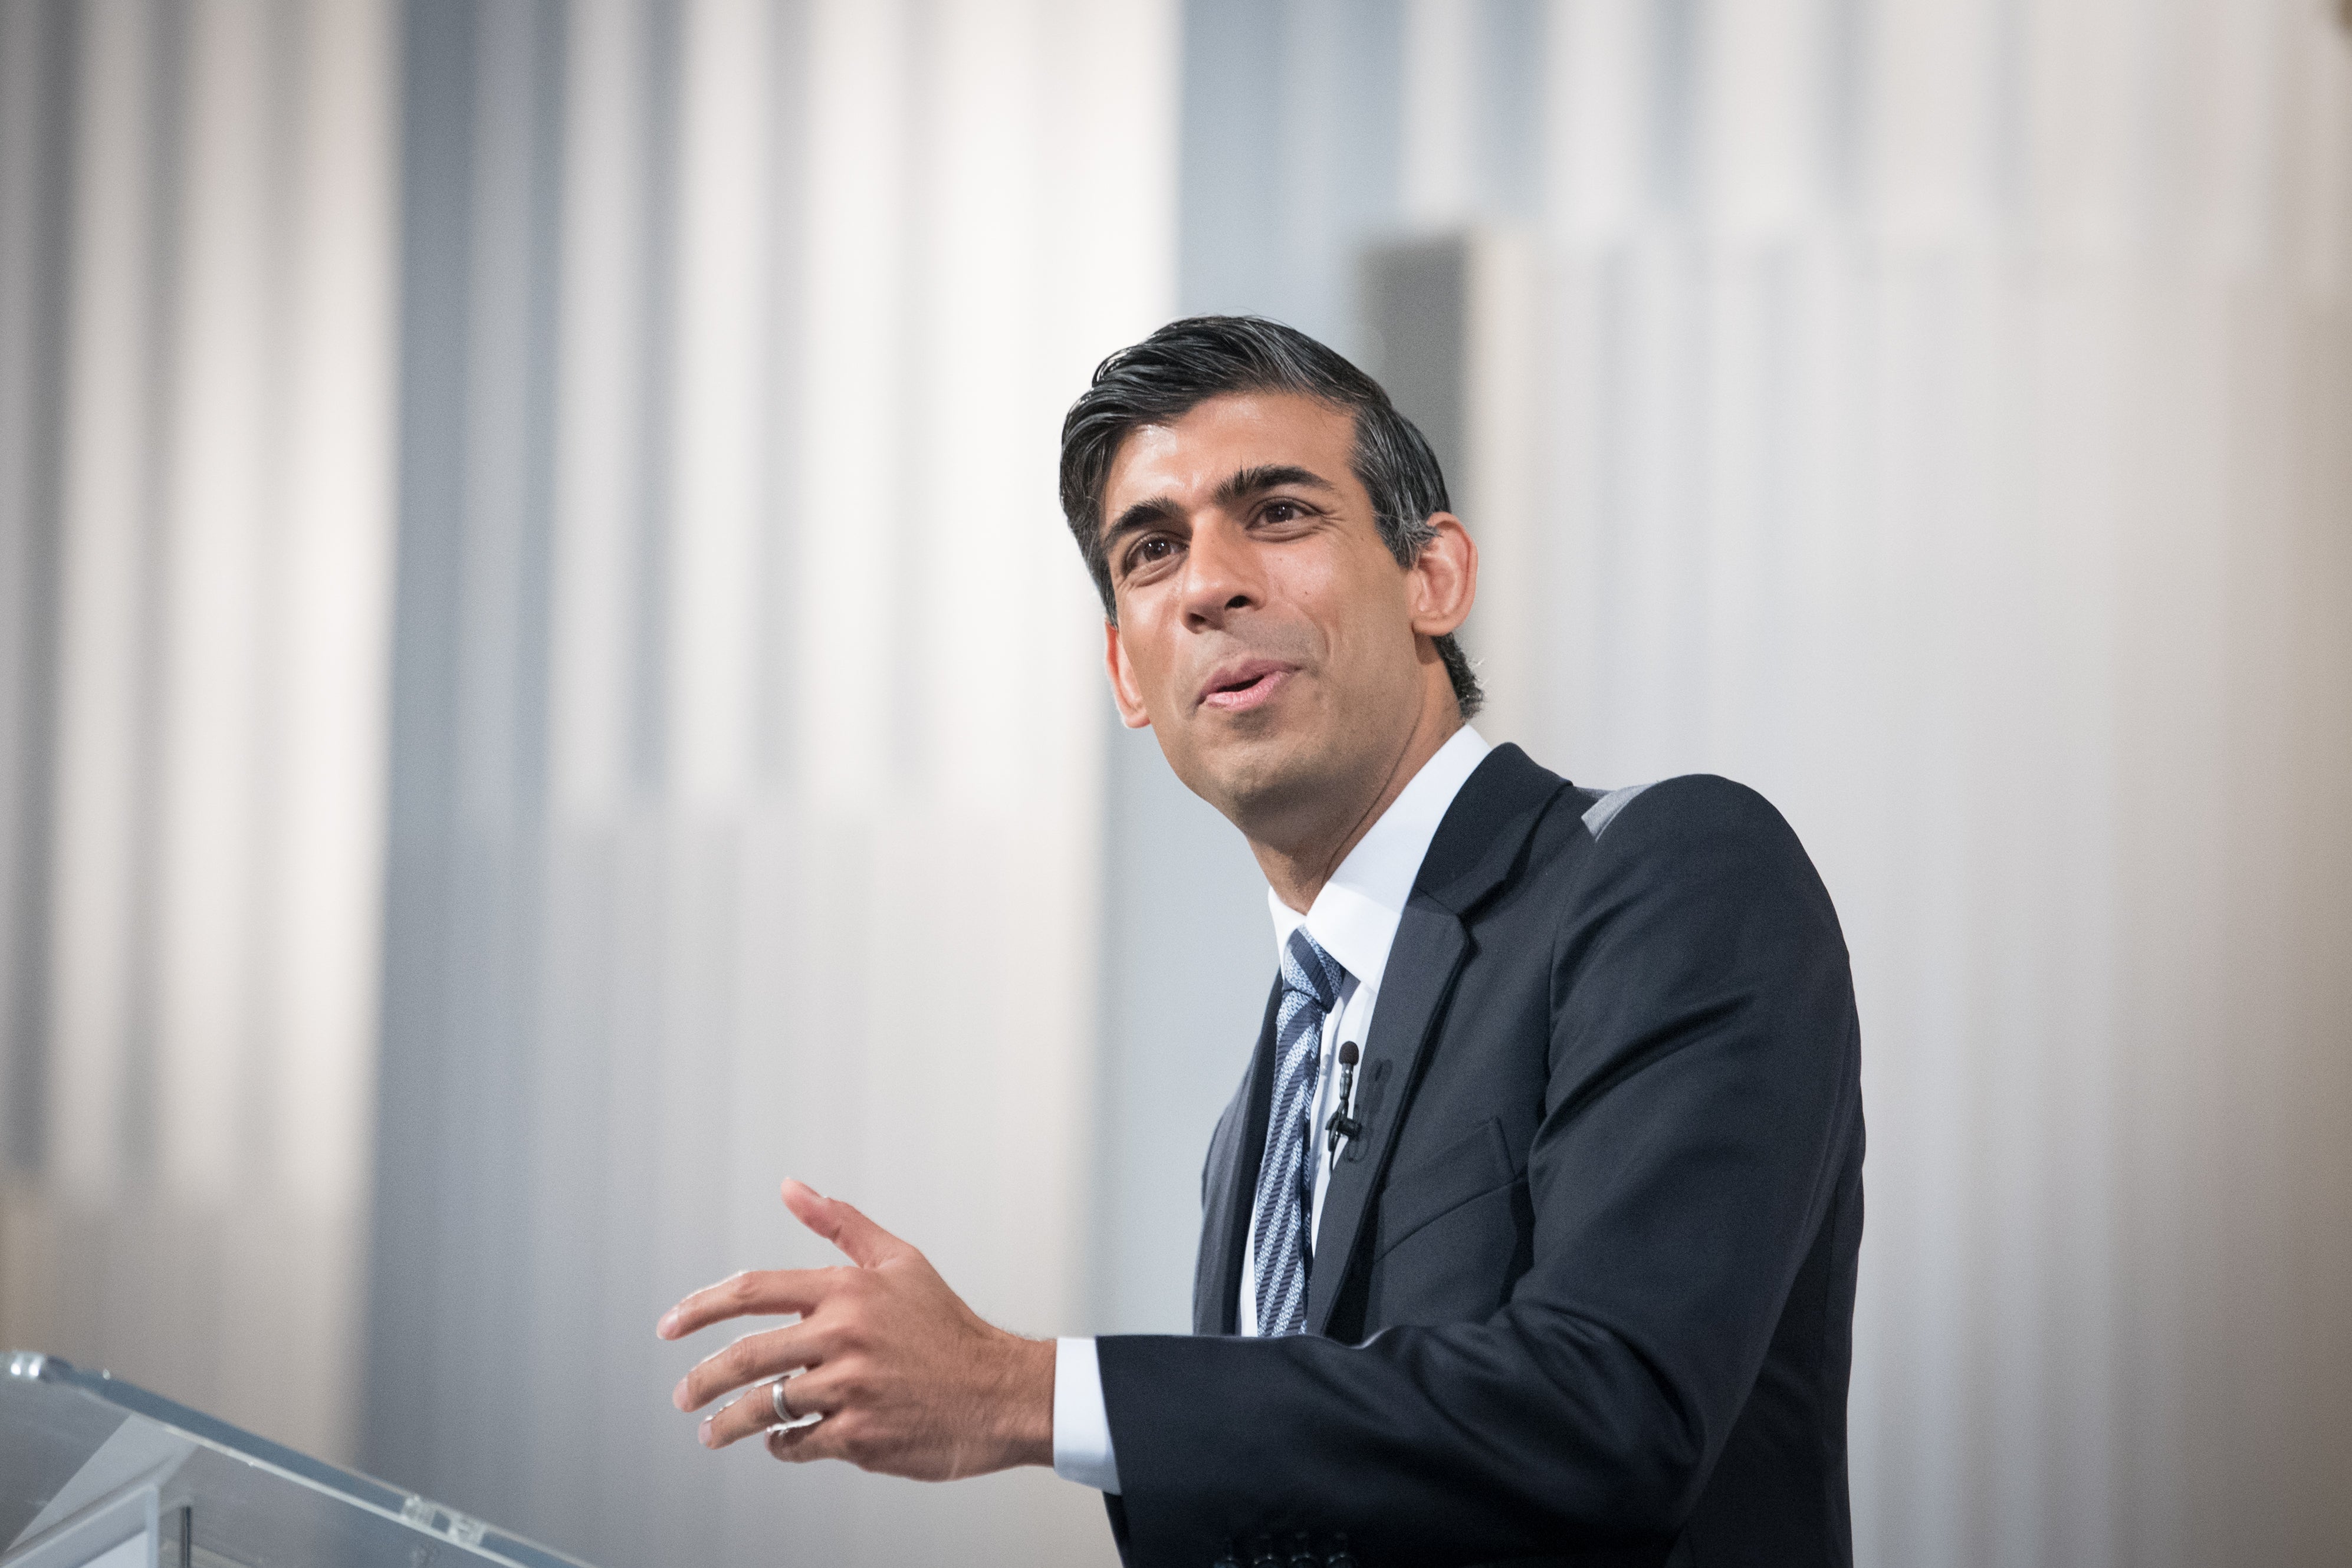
x=746, y=825
x=199, y=455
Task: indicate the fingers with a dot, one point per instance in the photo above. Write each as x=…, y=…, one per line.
x=828, y=1439
x=753, y=1292
x=866, y=1243
x=755, y=1412
x=774, y=1291
x=820, y=1391
x=747, y=1360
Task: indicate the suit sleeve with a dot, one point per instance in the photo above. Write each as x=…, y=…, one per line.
x=1702, y=1090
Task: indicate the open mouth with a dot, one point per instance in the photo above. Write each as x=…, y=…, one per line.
x=1245, y=686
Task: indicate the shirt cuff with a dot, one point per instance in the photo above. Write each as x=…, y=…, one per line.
x=1081, y=1421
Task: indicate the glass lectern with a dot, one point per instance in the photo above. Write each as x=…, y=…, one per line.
x=98, y=1473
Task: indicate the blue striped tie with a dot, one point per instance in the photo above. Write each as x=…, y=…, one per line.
x=1286, y=1177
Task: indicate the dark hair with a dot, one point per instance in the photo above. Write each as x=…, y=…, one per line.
x=1187, y=362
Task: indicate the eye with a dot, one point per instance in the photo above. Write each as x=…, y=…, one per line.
x=1148, y=551
x=1281, y=511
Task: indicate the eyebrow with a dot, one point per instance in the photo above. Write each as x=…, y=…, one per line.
x=1270, y=476
x=1242, y=483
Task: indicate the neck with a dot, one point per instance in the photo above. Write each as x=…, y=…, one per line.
x=1297, y=871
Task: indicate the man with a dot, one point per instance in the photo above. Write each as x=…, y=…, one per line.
x=1531, y=1231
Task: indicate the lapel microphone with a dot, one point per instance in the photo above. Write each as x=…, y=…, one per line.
x=1342, y=1125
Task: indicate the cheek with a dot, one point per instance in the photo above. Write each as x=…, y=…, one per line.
x=1146, y=646
x=1362, y=616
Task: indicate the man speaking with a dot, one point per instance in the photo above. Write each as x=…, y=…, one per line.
x=1530, y=1233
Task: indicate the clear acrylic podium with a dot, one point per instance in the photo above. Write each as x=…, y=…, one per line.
x=98, y=1473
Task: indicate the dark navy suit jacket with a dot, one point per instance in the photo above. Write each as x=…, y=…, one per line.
x=1583, y=1288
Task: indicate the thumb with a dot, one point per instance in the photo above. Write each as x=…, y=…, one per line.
x=866, y=1244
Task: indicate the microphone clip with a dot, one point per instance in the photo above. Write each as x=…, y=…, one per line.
x=1342, y=1125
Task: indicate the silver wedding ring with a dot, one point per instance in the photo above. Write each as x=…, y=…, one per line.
x=784, y=1417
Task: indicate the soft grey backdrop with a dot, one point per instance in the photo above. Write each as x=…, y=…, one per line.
x=541, y=687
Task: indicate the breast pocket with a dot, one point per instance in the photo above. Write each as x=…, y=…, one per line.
x=1446, y=1186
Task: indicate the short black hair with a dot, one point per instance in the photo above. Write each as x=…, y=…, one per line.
x=1187, y=362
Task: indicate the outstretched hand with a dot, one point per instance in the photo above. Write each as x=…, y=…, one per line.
x=907, y=1380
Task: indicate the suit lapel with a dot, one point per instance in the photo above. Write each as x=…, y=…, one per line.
x=1230, y=1184
x=1422, y=961
x=1476, y=851
x=1473, y=854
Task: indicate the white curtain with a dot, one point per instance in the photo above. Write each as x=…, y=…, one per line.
x=746, y=801
x=727, y=707
x=197, y=259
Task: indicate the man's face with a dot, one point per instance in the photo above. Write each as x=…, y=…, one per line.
x=1264, y=631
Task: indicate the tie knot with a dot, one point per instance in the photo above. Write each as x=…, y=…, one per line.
x=1310, y=972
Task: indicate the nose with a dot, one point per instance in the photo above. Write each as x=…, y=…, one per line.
x=1221, y=576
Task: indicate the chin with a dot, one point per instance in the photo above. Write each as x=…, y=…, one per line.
x=1257, y=782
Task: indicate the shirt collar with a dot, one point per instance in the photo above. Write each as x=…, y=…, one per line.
x=1355, y=917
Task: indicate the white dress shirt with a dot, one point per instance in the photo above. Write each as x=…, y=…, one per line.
x=1355, y=920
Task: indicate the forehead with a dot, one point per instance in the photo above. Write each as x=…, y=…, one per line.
x=1184, y=460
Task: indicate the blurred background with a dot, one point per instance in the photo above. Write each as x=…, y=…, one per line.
x=543, y=686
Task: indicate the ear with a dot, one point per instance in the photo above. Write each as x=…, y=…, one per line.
x=1124, y=689
x=1444, y=578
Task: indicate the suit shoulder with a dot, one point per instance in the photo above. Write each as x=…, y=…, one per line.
x=1702, y=804
x=1698, y=853
x=1696, y=820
